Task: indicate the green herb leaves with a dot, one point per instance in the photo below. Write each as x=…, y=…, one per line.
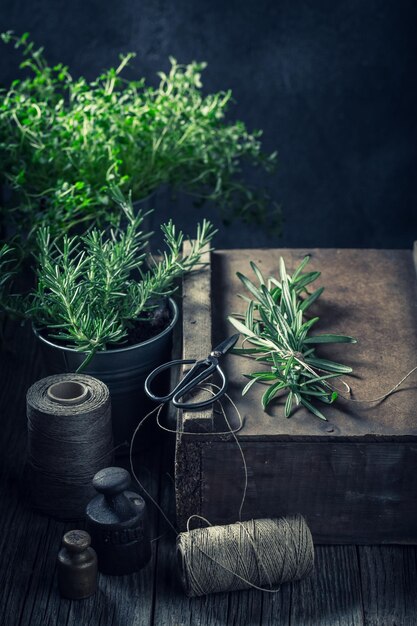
x=92, y=287
x=278, y=335
x=64, y=141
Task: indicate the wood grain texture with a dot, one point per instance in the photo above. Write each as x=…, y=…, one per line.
x=188, y=479
x=348, y=492
x=172, y=607
x=261, y=608
x=388, y=587
x=370, y=295
x=331, y=596
x=197, y=317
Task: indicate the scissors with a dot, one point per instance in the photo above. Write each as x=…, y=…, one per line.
x=201, y=370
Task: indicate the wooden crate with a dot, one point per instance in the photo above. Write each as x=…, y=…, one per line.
x=353, y=477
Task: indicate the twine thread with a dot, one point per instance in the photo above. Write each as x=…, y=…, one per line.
x=67, y=445
x=259, y=554
x=298, y=356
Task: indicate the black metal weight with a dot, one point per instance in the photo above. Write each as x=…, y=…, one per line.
x=77, y=566
x=117, y=521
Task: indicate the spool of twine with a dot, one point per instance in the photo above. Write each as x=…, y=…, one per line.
x=260, y=554
x=69, y=440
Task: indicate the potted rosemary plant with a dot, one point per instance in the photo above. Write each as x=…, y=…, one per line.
x=277, y=335
x=65, y=141
x=102, y=304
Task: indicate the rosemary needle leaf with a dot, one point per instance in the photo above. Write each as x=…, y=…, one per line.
x=241, y=327
x=329, y=366
x=248, y=386
x=313, y=409
x=300, y=268
x=306, y=304
x=330, y=339
x=288, y=404
x=258, y=272
x=270, y=393
x=250, y=286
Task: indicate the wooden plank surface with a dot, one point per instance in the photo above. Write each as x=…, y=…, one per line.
x=369, y=294
x=332, y=595
x=197, y=317
x=388, y=587
x=172, y=607
x=335, y=487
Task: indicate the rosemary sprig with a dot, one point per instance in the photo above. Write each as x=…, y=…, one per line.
x=279, y=336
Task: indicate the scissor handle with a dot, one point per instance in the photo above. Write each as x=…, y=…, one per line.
x=160, y=369
x=190, y=381
x=194, y=406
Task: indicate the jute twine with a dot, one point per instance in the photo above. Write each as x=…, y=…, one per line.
x=67, y=443
x=299, y=357
x=258, y=554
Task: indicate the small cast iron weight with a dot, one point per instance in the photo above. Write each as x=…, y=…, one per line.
x=77, y=566
x=118, y=524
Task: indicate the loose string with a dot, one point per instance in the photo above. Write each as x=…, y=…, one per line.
x=278, y=528
x=230, y=431
x=298, y=356
x=385, y=395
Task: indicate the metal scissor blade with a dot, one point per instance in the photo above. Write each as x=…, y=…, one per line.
x=225, y=345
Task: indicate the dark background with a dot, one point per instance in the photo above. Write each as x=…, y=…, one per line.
x=332, y=84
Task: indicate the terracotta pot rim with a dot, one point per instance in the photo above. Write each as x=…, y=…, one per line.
x=108, y=353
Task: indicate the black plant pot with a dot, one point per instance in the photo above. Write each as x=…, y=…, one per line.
x=123, y=370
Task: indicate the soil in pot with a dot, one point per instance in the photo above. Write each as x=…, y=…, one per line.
x=151, y=324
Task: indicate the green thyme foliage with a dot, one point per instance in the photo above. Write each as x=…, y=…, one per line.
x=64, y=141
x=278, y=334
x=91, y=288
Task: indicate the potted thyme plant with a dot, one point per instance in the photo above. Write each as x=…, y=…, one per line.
x=65, y=141
x=102, y=304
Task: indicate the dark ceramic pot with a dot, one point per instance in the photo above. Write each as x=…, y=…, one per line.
x=123, y=370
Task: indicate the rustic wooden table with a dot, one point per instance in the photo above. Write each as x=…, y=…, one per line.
x=350, y=585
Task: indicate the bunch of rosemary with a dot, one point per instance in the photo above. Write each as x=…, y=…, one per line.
x=278, y=333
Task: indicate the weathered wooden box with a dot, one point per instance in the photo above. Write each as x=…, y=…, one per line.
x=353, y=477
